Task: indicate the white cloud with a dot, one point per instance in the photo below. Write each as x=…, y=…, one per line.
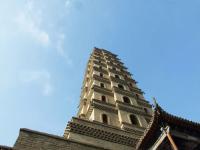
x=41, y=78
x=29, y=20
x=60, y=47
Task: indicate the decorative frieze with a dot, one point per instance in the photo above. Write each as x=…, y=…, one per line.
x=101, y=134
x=133, y=128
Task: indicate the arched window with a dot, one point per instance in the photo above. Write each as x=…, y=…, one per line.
x=120, y=86
x=86, y=89
x=102, y=85
x=146, y=110
x=116, y=76
x=101, y=74
x=134, y=119
x=105, y=118
x=137, y=96
x=114, y=68
x=103, y=98
x=126, y=100
x=131, y=85
x=100, y=67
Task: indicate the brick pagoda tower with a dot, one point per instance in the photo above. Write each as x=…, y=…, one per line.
x=113, y=112
x=113, y=115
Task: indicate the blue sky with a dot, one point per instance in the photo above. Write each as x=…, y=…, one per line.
x=45, y=45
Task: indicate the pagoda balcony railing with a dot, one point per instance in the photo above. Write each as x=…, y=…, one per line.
x=123, y=92
x=97, y=50
x=98, y=53
x=115, y=61
x=103, y=103
x=117, y=80
x=100, y=70
x=133, y=110
x=127, y=72
x=131, y=80
x=109, y=53
x=102, y=90
x=116, y=66
x=98, y=58
x=112, y=58
x=101, y=79
x=144, y=103
x=104, y=106
x=136, y=90
x=139, y=108
x=115, y=71
x=100, y=64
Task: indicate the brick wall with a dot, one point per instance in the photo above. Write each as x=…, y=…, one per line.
x=34, y=140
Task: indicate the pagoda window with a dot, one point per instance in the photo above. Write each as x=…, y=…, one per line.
x=137, y=96
x=103, y=98
x=131, y=85
x=102, y=85
x=105, y=118
x=134, y=120
x=121, y=86
x=146, y=110
x=101, y=74
x=126, y=100
x=116, y=76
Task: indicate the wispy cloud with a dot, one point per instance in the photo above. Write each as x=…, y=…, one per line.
x=61, y=48
x=41, y=78
x=29, y=20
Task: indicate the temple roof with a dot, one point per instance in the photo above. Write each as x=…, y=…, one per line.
x=161, y=118
x=2, y=147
